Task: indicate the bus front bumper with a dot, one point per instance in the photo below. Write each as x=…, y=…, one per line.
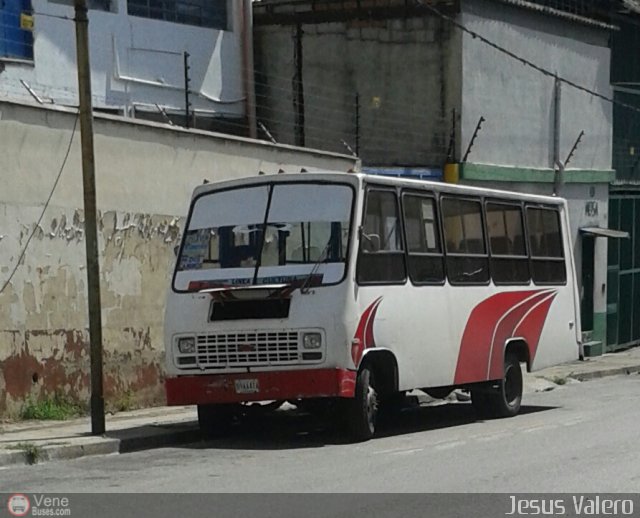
x=259, y=386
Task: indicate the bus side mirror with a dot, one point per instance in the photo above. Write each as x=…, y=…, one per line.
x=369, y=242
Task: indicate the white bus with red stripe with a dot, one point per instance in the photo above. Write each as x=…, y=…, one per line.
x=349, y=289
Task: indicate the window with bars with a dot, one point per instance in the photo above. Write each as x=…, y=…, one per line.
x=97, y=5
x=202, y=13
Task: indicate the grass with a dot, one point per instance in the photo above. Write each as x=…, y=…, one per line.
x=124, y=402
x=559, y=380
x=56, y=408
x=32, y=452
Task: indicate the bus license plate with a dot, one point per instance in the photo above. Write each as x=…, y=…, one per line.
x=247, y=386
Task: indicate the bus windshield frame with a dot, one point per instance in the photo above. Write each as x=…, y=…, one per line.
x=225, y=243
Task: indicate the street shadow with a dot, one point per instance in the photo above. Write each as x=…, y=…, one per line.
x=293, y=430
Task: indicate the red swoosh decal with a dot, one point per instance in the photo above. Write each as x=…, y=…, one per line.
x=364, y=339
x=490, y=324
x=505, y=329
x=531, y=327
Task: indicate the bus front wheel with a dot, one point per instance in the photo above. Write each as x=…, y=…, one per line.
x=362, y=410
x=504, y=398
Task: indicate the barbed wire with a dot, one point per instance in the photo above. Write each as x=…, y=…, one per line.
x=331, y=112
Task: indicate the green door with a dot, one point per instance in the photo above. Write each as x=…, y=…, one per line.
x=623, y=273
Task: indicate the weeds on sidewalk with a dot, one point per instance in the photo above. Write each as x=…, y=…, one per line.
x=58, y=408
x=123, y=402
x=31, y=451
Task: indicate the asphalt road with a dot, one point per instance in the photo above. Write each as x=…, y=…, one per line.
x=577, y=438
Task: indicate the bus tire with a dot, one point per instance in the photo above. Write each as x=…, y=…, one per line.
x=362, y=410
x=216, y=420
x=505, y=399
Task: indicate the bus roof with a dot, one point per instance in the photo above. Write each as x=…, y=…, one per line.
x=361, y=178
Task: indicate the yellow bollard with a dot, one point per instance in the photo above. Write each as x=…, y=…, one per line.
x=451, y=173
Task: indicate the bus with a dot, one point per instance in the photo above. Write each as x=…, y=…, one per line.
x=348, y=290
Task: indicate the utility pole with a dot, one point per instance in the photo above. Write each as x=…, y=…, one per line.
x=90, y=220
x=187, y=91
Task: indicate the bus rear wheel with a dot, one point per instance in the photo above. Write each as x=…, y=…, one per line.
x=362, y=411
x=503, y=399
x=216, y=420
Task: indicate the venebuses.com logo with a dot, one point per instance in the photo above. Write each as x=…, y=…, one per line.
x=18, y=505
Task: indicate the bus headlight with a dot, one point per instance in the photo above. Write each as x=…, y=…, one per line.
x=187, y=345
x=311, y=340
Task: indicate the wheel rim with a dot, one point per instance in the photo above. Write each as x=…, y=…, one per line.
x=512, y=385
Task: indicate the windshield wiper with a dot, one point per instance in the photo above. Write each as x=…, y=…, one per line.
x=265, y=223
x=304, y=289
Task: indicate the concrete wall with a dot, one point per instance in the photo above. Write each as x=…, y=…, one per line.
x=145, y=173
x=518, y=102
x=405, y=71
x=135, y=61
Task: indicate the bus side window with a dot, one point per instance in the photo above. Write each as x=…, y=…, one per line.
x=545, y=243
x=468, y=262
x=509, y=260
x=381, y=257
x=426, y=263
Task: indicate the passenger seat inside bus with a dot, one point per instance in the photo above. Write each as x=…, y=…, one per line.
x=501, y=245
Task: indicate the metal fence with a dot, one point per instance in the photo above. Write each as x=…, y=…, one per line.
x=626, y=136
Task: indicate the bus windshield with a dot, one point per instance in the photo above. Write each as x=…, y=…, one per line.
x=266, y=234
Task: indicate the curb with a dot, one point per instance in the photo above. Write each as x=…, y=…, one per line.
x=105, y=445
x=44, y=453
x=159, y=440
x=602, y=373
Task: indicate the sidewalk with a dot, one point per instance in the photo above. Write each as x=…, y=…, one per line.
x=29, y=442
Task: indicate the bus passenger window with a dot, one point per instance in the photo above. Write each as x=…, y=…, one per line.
x=509, y=260
x=545, y=243
x=467, y=261
x=381, y=257
x=423, y=240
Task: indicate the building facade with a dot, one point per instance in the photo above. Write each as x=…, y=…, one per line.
x=149, y=58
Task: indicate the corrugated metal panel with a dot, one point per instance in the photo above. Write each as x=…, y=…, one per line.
x=576, y=13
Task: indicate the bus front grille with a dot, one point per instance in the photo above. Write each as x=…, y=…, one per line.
x=239, y=349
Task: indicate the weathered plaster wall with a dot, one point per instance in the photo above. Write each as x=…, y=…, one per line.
x=145, y=173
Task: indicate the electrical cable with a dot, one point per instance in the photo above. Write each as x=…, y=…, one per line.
x=525, y=61
x=44, y=209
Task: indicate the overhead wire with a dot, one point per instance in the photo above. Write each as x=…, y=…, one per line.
x=523, y=60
